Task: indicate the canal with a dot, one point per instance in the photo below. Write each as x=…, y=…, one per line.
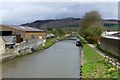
x=62, y=60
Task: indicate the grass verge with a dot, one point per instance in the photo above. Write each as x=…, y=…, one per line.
x=51, y=41
x=96, y=66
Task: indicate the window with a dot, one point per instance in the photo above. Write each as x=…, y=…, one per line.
x=17, y=33
x=32, y=37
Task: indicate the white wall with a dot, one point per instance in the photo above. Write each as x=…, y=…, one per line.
x=2, y=46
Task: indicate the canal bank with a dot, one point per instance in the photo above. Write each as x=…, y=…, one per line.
x=48, y=44
x=95, y=65
x=62, y=60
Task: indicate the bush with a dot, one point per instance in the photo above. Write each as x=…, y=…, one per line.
x=91, y=27
x=93, y=39
x=94, y=30
x=82, y=41
x=89, y=19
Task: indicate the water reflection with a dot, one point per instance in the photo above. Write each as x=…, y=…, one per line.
x=0, y=70
x=62, y=60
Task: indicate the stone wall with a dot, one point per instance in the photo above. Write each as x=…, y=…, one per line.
x=21, y=49
x=24, y=47
x=111, y=45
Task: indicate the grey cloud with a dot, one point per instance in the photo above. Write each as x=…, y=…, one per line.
x=18, y=13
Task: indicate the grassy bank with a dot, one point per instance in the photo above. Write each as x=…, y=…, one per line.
x=96, y=66
x=51, y=41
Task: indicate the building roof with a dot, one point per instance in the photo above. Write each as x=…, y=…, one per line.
x=2, y=40
x=8, y=39
x=116, y=34
x=110, y=32
x=22, y=28
x=111, y=37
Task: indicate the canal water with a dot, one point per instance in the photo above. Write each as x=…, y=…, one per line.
x=62, y=60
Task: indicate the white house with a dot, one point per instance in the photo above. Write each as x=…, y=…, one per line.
x=2, y=46
x=6, y=41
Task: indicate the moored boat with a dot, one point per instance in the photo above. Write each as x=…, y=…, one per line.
x=78, y=43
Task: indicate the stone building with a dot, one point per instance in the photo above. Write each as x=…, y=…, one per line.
x=22, y=33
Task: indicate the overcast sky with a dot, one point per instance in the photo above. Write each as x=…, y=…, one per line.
x=24, y=12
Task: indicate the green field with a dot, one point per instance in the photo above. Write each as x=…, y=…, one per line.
x=76, y=28
x=71, y=28
x=49, y=43
x=117, y=27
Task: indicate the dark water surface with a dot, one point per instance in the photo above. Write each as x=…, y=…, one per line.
x=62, y=60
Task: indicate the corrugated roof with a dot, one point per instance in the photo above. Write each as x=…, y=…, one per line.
x=111, y=37
x=23, y=28
x=8, y=39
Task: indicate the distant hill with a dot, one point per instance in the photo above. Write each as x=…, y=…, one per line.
x=111, y=22
x=65, y=22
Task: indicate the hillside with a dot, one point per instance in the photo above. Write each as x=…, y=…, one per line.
x=44, y=24
x=65, y=22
